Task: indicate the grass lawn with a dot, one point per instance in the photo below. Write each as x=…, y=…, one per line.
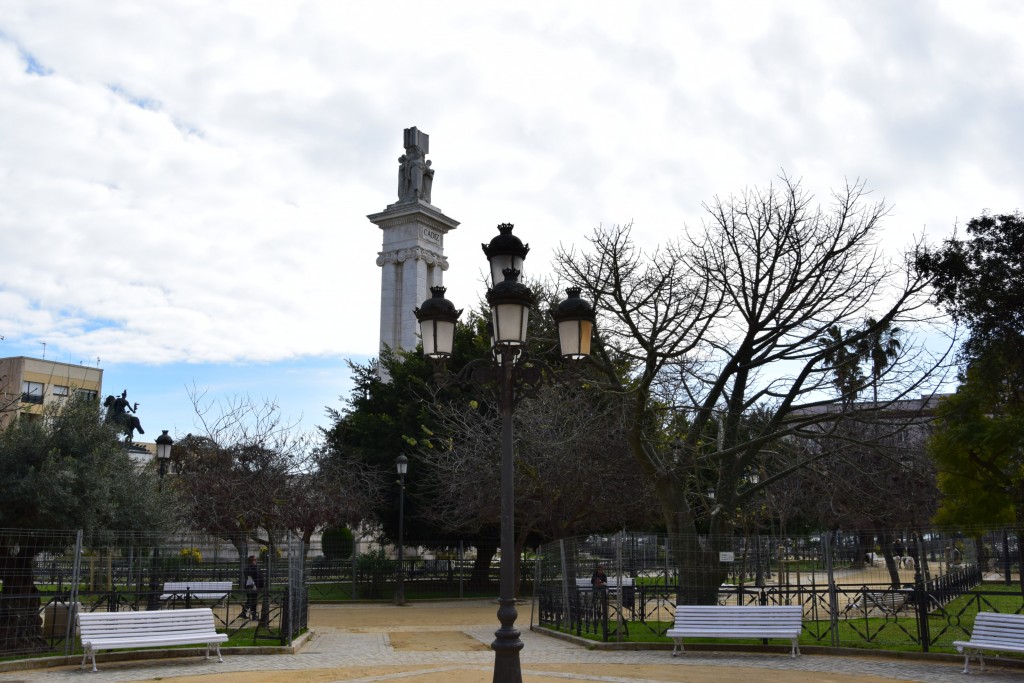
x=946, y=624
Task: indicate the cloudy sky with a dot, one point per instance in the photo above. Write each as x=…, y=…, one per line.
x=184, y=185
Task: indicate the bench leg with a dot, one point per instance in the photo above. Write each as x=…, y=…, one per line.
x=219, y=657
x=678, y=646
x=967, y=660
x=794, y=652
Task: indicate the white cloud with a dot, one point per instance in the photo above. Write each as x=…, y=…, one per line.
x=189, y=180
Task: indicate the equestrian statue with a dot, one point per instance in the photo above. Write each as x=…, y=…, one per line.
x=120, y=412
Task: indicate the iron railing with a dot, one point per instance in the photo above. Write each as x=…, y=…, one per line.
x=49, y=576
x=923, y=598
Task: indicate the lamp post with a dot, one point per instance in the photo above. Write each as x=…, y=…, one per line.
x=510, y=303
x=163, y=454
x=163, y=458
x=401, y=465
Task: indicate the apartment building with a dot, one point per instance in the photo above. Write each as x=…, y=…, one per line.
x=28, y=385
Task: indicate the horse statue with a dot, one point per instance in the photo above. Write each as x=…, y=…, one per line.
x=120, y=412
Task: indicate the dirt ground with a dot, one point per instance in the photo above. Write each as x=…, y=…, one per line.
x=434, y=627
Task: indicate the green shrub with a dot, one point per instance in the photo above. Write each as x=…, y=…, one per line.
x=337, y=543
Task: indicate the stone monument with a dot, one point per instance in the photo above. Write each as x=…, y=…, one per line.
x=412, y=256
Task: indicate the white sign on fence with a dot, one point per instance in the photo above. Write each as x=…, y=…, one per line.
x=726, y=557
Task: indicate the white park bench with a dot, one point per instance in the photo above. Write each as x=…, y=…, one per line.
x=747, y=621
x=614, y=583
x=887, y=601
x=992, y=631
x=156, y=628
x=205, y=591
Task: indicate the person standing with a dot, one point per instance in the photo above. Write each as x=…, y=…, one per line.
x=253, y=583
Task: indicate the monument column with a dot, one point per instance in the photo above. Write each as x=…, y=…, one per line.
x=412, y=255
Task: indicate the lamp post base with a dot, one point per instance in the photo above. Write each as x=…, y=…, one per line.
x=507, y=645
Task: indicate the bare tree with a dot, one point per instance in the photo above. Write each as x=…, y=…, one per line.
x=574, y=473
x=251, y=474
x=721, y=337
x=875, y=477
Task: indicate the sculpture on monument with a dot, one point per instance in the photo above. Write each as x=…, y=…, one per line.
x=415, y=177
x=120, y=413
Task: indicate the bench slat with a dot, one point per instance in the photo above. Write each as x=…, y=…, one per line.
x=200, y=590
x=746, y=621
x=110, y=630
x=992, y=631
x=613, y=582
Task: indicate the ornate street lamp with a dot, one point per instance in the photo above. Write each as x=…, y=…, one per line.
x=401, y=465
x=437, y=318
x=575, y=318
x=510, y=303
x=163, y=458
x=163, y=453
x=505, y=251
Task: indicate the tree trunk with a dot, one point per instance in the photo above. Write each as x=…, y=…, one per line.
x=865, y=545
x=485, y=552
x=695, y=556
x=885, y=540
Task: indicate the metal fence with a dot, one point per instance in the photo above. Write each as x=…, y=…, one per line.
x=46, y=577
x=898, y=590
x=431, y=571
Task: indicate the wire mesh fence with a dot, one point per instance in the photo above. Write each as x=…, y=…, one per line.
x=370, y=570
x=904, y=590
x=46, y=577
x=914, y=590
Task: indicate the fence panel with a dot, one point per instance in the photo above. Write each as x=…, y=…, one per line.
x=47, y=576
x=430, y=571
x=894, y=589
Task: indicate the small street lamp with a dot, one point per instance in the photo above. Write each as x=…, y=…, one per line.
x=510, y=302
x=163, y=458
x=401, y=465
x=163, y=454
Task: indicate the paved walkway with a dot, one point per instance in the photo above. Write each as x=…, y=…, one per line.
x=359, y=644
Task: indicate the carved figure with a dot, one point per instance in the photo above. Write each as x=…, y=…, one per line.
x=415, y=177
x=428, y=182
x=120, y=412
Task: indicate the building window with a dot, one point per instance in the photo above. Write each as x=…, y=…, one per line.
x=32, y=392
x=87, y=394
x=60, y=392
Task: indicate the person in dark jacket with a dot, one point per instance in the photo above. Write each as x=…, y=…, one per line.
x=253, y=584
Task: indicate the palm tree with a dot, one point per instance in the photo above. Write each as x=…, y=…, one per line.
x=843, y=356
x=881, y=345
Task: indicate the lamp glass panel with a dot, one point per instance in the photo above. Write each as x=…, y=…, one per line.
x=586, y=332
x=501, y=262
x=438, y=337
x=445, y=337
x=510, y=323
x=574, y=337
x=428, y=337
